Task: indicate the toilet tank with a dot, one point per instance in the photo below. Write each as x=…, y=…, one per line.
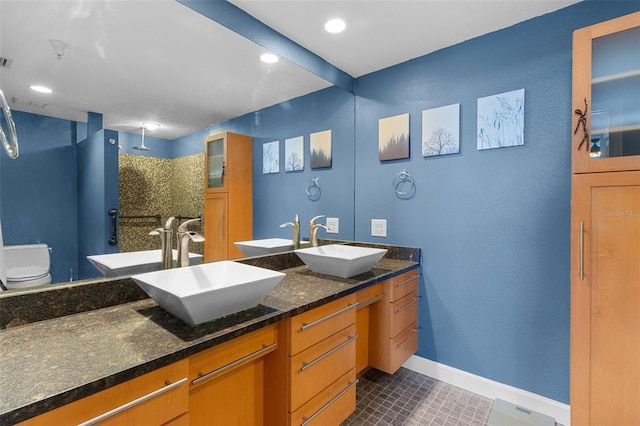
x=27, y=255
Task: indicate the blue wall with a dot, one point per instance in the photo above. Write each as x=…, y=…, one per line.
x=493, y=225
x=43, y=176
x=278, y=197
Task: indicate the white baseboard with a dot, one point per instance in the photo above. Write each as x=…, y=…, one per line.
x=491, y=389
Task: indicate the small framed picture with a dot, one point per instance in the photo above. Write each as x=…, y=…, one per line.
x=393, y=137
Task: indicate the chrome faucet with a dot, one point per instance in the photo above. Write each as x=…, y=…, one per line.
x=295, y=226
x=166, y=235
x=183, y=238
x=313, y=230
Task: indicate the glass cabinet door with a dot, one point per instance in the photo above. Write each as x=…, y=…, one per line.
x=606, y=96
x=215, y=163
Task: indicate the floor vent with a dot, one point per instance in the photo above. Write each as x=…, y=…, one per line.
x=507, y=414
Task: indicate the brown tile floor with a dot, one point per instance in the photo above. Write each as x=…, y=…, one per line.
x=410, y=398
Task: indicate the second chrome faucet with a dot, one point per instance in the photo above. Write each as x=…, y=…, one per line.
x=183, y=237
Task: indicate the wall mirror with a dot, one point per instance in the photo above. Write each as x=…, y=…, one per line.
x=126, y=59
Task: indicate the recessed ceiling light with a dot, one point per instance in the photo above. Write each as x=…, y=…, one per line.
x=335, y=26
x=41, y=89
x=150, y=126
x=269, y=58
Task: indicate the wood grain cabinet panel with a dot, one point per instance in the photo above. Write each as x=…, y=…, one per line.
x=605, y=225
x=227, y=381
x=229, y=180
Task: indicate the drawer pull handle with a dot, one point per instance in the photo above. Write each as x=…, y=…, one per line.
x=306, y=365
x=370, y=301
x=414, y=300
x=407, y=280
x=133, y=403
x=336, y=313
x=202, y=377
x=328, y=404
x=414, y=331
x=581, y=251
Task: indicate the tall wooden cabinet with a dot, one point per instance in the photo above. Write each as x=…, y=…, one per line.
x=605, y=225
x=228, y=195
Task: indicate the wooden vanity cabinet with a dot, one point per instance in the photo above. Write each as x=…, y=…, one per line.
x=226, y=382
x=157, y=398
x=365, y=298
x=228, y=195
x=395, y=321
x=311, y=380
x=605, y=225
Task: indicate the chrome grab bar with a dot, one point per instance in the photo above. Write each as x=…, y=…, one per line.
x=234, y=363
x=316, y=322
x=169, y=386
x=10, y=144
x=306, y=365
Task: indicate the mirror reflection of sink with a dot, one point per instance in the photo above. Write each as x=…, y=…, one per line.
x=264, y=246
x=340, y=260
x=201, y=293
x=135, y=262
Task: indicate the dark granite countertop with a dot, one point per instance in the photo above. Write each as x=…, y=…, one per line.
x=52, y=362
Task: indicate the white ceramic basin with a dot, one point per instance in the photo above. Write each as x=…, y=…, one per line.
x=201, y=293
x=135, y=262
x=340, y=260
x=264, y=246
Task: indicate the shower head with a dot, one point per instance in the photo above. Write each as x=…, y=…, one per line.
x=142, y=146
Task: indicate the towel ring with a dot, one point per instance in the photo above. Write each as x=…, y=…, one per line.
x=10, y=141
x=313, y=189
x=404, y=185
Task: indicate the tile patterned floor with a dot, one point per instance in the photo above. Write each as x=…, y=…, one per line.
x=409, y=398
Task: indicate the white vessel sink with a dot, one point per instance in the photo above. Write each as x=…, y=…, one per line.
x=264, y=246
x=201, y=293
x=135, y=262
x=340, y=260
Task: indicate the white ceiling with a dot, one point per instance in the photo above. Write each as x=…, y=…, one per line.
x=157, y=60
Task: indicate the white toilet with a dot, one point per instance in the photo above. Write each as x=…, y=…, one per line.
x=27, y=265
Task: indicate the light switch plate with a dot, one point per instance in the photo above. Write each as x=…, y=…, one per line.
x=378, y=227
x=333, y=223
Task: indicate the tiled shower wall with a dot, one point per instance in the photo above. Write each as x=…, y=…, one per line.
x=152, y=186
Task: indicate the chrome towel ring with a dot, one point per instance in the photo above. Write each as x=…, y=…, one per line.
x=404, y=185
x=313, y=189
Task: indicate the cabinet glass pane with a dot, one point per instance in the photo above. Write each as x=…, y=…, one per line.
x=215, y=163
x=615, y=95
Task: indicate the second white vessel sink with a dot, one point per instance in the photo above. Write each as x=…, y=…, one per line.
x=201, y=293
x=340, y=260
x=264, y=246
x=135, y=262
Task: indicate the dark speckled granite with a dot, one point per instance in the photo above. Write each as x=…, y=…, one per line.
x=53, y=362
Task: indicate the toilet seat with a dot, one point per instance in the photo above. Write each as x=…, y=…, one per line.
x=27, y=276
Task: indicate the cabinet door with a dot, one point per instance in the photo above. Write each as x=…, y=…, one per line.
x=606, y=72
x=215, y=148
x=215, y=227
x=605, y=299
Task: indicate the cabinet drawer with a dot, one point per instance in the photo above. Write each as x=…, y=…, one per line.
x=317, y=324
x=369, y=295
x=154, y=398
x=218, y=360
x=402, y=347
x=320, y=365
x=404, y=312
x=404, y=284
x=331, y=406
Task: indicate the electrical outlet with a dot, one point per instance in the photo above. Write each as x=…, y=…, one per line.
x=333, y=223
x=378, y=227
